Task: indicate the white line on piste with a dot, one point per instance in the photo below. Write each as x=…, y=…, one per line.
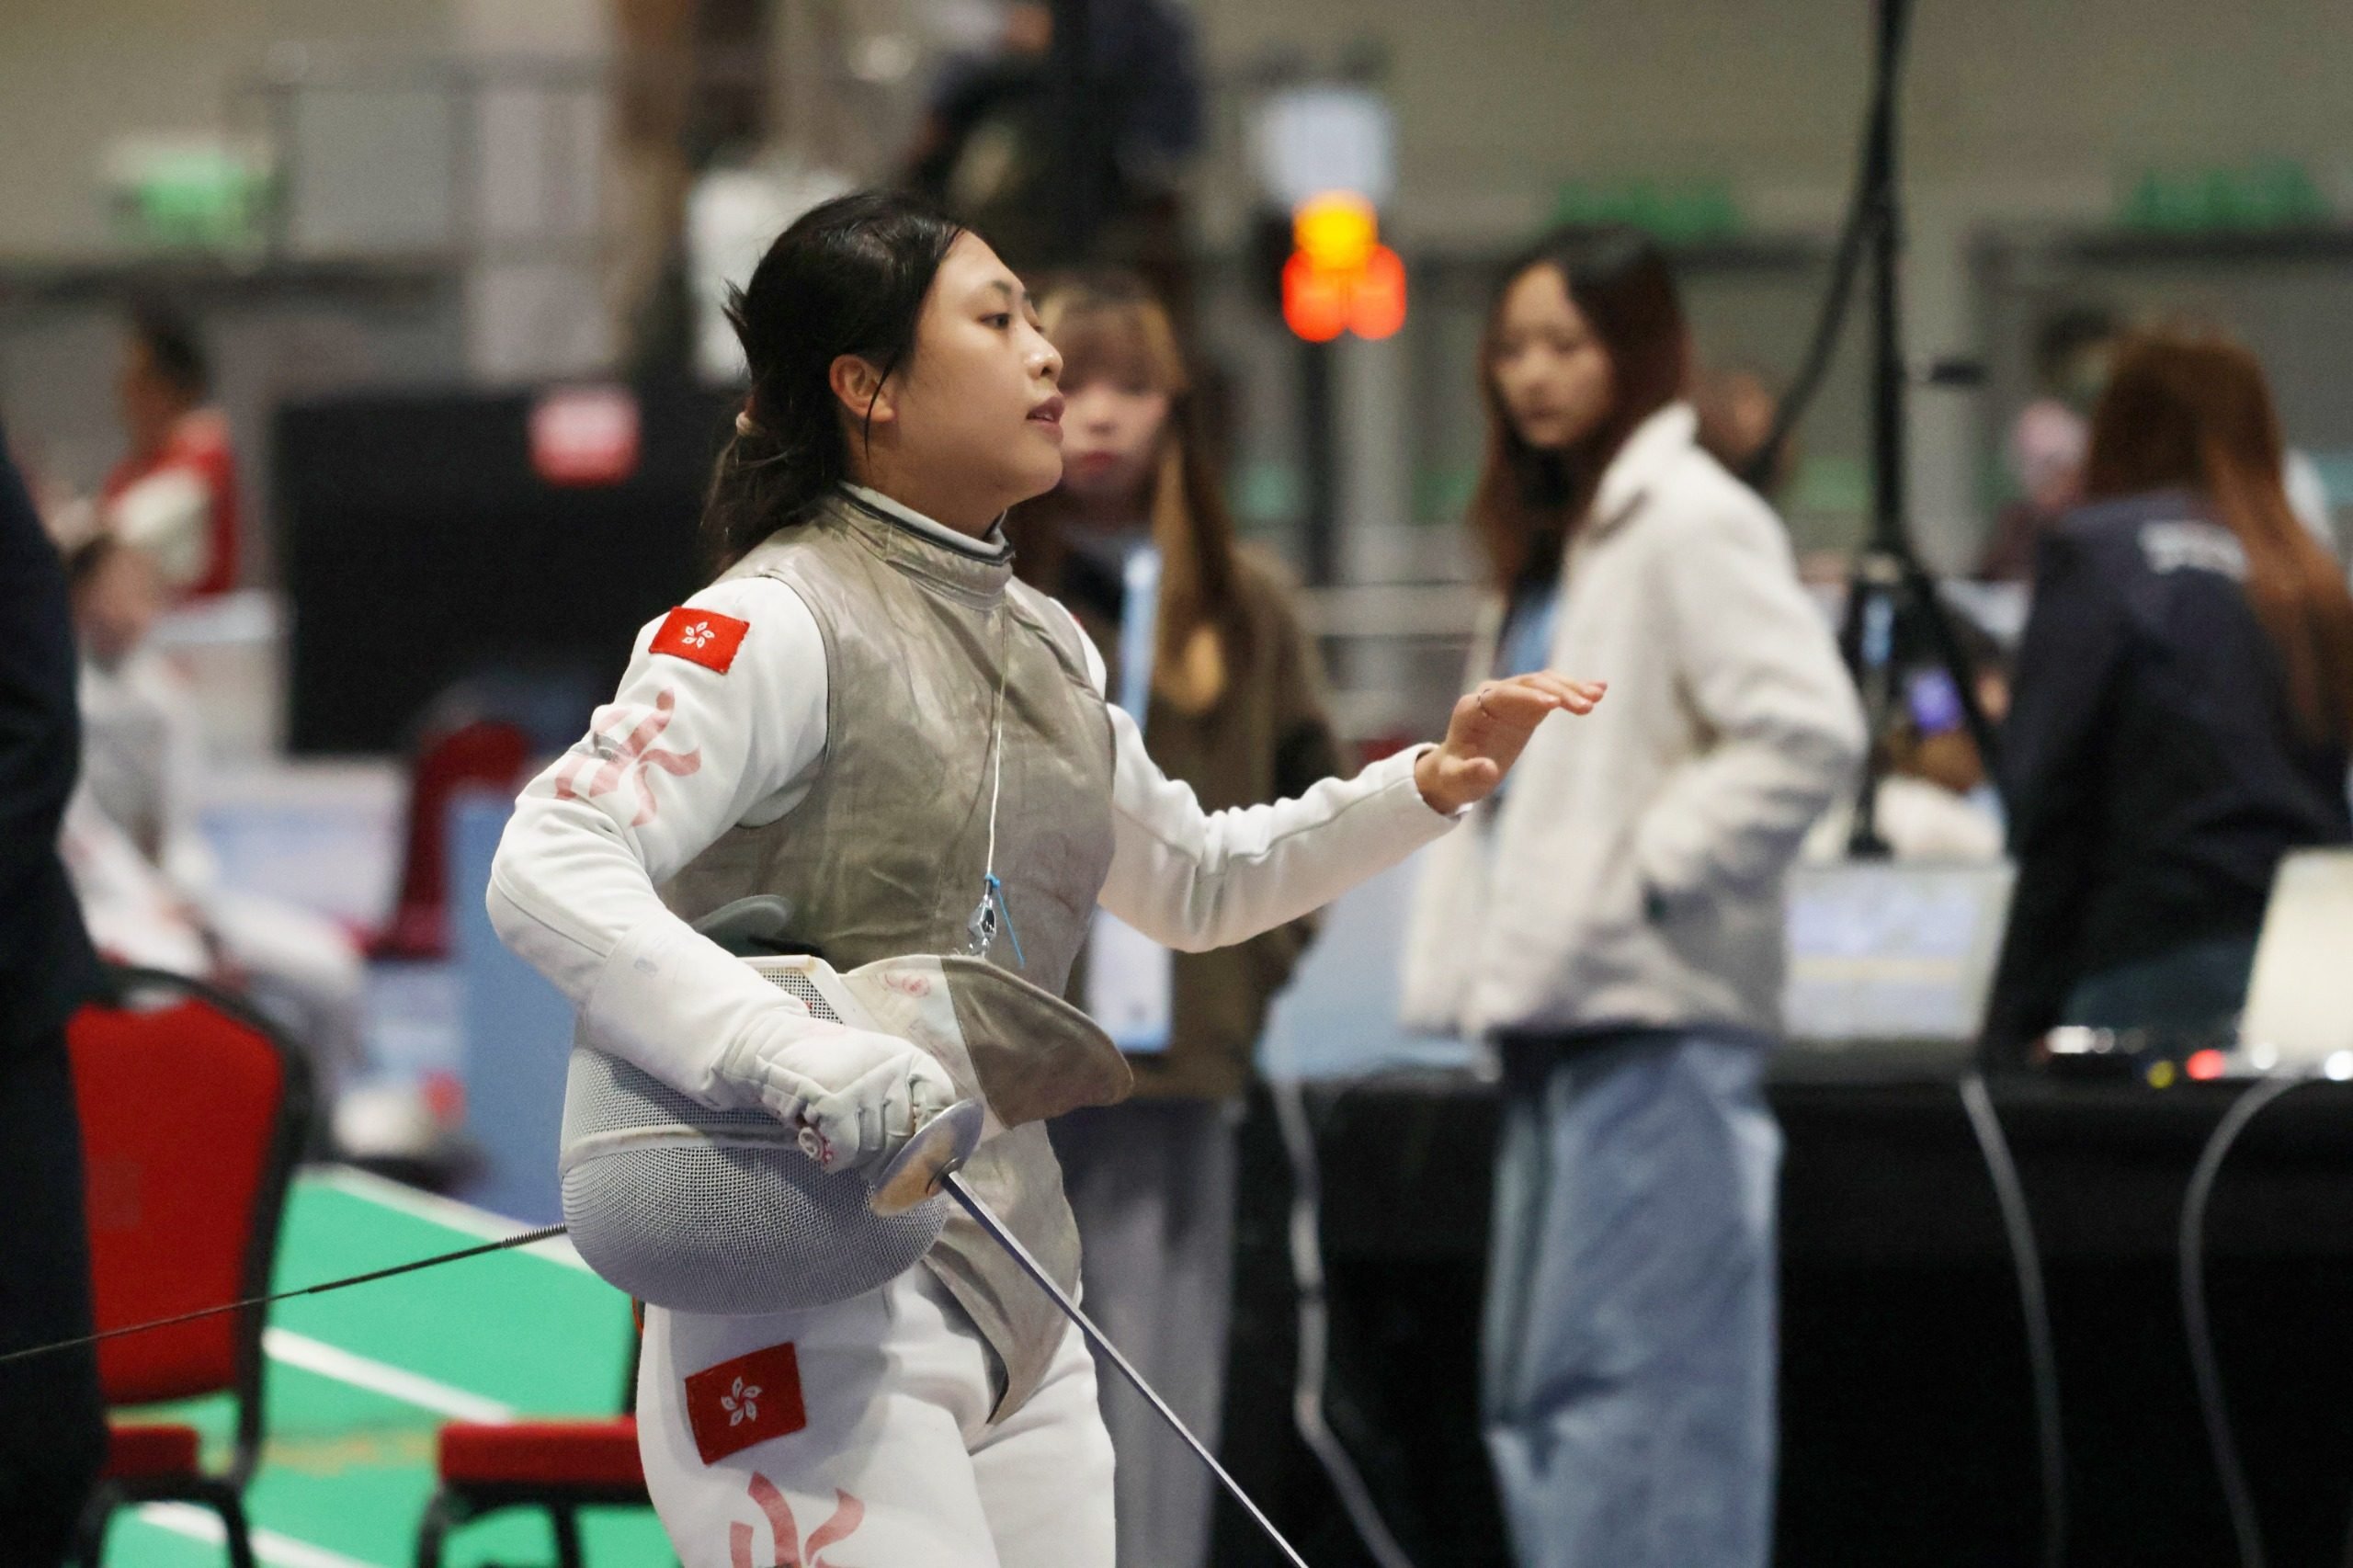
x=379, y=1377
x=202, y=1524
x=464, y=1218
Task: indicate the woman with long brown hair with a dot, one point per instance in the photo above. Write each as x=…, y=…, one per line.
x=1613, y=925
x=2183, y=711
x=1205, y=652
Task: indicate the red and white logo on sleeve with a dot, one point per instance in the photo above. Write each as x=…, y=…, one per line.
x=739, y=1403
x=700, y=637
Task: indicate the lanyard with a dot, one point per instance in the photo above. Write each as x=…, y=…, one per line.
x=1139, y=630
x=980, y=927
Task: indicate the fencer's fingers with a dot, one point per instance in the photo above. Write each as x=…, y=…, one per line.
x=1568, y=685
x=1514, y=704
x=1573, y=696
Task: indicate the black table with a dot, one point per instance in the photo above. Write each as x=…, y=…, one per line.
x=1907, y=1418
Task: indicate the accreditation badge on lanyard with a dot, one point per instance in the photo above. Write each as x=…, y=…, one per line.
x=1130, y=977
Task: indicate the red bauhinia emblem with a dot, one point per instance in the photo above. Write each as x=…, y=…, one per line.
x=749, y=1400
x=700, y=637
x=847, y=1515
x=620, y=746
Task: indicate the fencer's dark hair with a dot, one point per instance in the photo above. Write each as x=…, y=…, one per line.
x=172, y=347
x=848, y=277
x=1528, y=500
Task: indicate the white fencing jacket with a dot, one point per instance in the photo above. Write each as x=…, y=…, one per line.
x=572, y=889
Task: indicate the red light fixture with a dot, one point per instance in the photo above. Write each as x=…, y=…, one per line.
x=1340, y=278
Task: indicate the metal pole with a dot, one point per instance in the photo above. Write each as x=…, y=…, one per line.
x=1078, y=162
x=1319, y=454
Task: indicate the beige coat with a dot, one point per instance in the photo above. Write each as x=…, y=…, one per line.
x=1632, y=874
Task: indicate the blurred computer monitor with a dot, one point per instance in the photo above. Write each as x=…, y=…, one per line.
x=1884, y=951
x=2300, y=1003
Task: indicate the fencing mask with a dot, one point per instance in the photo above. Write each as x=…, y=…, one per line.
x=719, y=1212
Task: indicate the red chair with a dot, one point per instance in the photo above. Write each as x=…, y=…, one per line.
x=483, y=754
x=560, y=1466
x=193, y=1111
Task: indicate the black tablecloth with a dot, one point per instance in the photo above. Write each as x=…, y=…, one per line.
x=1907, y=1423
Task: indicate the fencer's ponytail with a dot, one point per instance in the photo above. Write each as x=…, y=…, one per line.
x=849, y=276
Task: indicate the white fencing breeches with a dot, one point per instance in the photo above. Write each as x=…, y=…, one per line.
x=770, y=1442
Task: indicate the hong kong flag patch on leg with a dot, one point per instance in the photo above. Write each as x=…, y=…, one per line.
x=748, y=1400
x=700, y=637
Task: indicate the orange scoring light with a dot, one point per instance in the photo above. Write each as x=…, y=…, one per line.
x=1340, y=278
x=1379, y=302
x=1315, y=303
x=2205, y=1065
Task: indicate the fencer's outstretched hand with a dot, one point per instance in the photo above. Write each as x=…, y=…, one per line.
x=858, y=1095
x=1488, y=731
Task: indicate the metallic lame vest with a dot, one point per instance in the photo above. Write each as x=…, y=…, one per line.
x=886, y=854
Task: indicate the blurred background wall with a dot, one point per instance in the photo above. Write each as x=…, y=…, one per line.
x=2018, y=113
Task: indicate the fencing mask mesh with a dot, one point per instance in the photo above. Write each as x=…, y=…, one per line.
x=719, y=1212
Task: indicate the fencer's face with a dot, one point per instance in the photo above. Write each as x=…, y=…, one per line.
x=146, y=401
x=1111, y=440
x=976, y=411
x=1552, y=373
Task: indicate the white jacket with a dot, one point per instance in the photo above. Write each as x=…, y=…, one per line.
x=1632, y=873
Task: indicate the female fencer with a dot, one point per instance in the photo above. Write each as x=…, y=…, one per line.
x=868, y=717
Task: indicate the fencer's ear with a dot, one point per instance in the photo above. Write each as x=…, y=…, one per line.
x=864, y=391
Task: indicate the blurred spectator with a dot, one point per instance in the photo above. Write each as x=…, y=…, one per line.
x=1736, y=410
x=1934, y=801
x=987, y=149
x=149, y=886
x=2051, y=438
x=2183, y=710
x=1612, y=919
x=1232, y=704
x=52, y=1427
x=2051, y=435
x=174, y=494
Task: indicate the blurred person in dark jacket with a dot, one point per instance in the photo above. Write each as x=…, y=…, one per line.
x=52, y=1429
x=2183, y=709
x=1205, y=650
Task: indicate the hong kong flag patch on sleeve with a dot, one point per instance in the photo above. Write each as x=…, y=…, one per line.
x=749, y=1400
x=700, y=637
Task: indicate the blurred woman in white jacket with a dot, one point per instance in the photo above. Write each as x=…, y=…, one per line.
x=1612, y=922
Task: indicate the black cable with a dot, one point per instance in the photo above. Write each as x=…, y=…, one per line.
x=2042, y=1359
x=525, y=1239
x=2204, y=1363
x=1306, y=1247
x=1866, y=210
x=2347, y=1561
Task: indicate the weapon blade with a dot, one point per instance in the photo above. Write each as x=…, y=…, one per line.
x=984, y=1217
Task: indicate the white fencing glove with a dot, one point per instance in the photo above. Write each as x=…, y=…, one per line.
x=703, y=1022
x=856, y=1095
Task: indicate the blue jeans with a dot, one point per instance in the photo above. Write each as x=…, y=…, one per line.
x=1629, y=1356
